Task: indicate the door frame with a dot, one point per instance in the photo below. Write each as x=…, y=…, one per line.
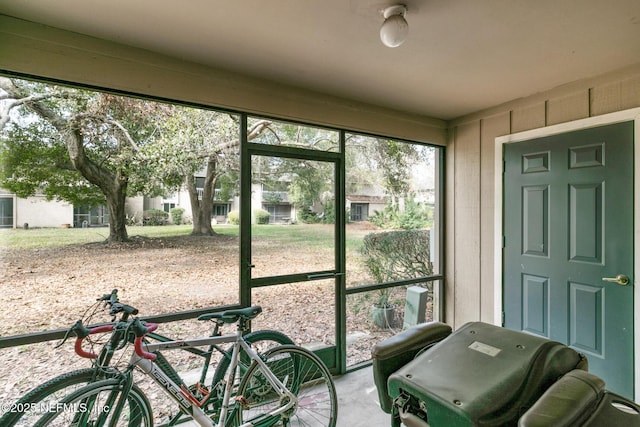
x=333, y=356
x=605, y=119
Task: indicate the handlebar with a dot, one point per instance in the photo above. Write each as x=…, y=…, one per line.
x=137, y=327
x=140, y=331
x=110, y=297
x=115, y=306
x=97, y=330
x=118, y=307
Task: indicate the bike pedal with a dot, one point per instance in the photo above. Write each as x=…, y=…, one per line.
x=243, y=401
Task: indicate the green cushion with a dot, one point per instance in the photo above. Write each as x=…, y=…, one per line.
x=395, y=352
x=568, y=402
x=482, y=375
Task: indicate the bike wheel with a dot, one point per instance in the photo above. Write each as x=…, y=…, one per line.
x=260, y=341
x=304, y=375
x=94, y=405
x=30, y=407
x=43, y=398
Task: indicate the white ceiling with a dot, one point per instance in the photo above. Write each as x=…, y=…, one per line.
x=461, y=56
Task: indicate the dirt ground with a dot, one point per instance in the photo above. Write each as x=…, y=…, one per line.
x=50, y=288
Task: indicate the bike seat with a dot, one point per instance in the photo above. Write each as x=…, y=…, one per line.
x=232, y=316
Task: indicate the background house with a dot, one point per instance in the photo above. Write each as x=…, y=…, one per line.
x=34, y=211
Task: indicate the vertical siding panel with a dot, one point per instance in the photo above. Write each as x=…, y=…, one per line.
x=615, y=96
x=450, y=230
x=467, y=223
x=605, y=98
x=491, y=128
x=528, y=117
x=567, y=108
x=630, y=93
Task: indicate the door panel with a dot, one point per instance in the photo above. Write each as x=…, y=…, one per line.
x=535, y=307
x=586, y=312
x=297, y=238
x=535, y=220
x=292, y=246
x=568, y=223
x=585, y=222
x=318, y=298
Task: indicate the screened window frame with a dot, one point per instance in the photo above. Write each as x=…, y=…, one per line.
x=41, y=336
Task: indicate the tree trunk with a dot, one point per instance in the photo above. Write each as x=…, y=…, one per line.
x=113, y=186
x=206, y=208
x=201, y=214
x=117, y=215
x=203, y=208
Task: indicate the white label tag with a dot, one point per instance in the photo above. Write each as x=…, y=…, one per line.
x=484, y=348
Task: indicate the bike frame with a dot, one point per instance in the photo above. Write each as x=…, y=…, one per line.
x=182, y=396
x=103, y=359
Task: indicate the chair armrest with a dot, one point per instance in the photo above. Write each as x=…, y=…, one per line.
x=568, y=402
x=391, y=354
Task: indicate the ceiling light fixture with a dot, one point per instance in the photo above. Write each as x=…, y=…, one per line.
x=394, y=30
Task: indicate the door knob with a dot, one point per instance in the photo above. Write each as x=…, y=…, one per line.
x=620, y=279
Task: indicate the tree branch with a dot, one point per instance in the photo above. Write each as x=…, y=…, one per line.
x=93, y=173
x=32, y=101
x=113, y=123
x=257, y=129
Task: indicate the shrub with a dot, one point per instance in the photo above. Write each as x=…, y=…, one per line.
x=329, y=212
x=133, y=220
x=262, y=216
x=327, y=216
x=396, y=255
x=378, y=219
x=414, y=215
x=154, y=217
x=307, y=216
x=233, y=217
x=176, y=215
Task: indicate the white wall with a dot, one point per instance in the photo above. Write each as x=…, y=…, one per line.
x=134, y=207
x=38, y=212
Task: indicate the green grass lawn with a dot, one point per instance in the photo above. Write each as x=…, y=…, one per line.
x=52, y=237
x=300, y=234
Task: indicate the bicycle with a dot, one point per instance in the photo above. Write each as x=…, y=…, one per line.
x=28, y=408
x=288, y=385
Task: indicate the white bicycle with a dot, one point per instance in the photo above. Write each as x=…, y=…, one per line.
x=288, y=386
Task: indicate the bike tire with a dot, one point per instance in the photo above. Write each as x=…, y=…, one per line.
x=30, y=407
x=92, y=405
x=305, y=375
x=269, y=338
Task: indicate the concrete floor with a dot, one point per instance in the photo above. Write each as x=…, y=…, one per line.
x=358, y=401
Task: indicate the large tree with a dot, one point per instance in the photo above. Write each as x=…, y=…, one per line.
x=58, y=140
x=198, y=143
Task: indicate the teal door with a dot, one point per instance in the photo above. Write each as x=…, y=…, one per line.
x=568, y=245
